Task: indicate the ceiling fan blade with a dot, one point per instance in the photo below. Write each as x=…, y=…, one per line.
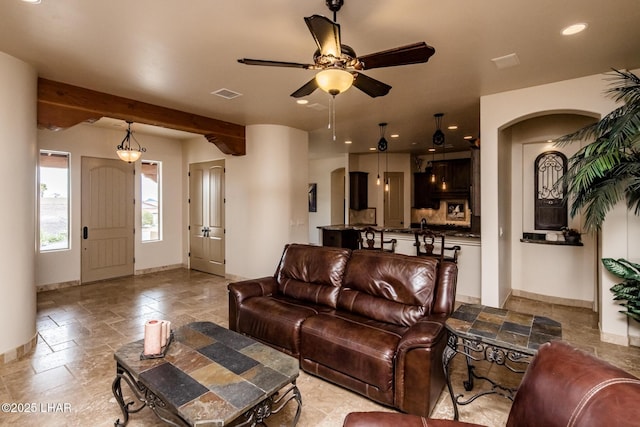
x=371, y=87
x=409, y=54
x=275, y=63
x=326, y=33
x=307, y=89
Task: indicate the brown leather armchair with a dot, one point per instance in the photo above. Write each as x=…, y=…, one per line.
x=563, y=387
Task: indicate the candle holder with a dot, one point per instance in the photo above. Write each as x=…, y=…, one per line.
x=163, y=350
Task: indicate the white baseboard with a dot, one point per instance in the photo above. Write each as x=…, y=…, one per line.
x=552, y=300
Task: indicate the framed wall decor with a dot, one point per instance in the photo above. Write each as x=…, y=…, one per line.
x=456, y=211
x=313, y=197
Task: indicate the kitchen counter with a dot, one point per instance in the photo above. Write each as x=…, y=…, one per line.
x=448, y=232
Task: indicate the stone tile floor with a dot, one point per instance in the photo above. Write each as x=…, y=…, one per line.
x=67, y=379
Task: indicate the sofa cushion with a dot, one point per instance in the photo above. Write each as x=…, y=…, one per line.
x=276, y=321
x=360, y=348
x=391, y=288
x=312, y=275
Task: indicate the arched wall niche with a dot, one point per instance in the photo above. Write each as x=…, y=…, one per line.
x=566, y=275
x=569, y=112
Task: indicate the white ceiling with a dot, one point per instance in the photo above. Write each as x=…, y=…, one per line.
x=174, y=53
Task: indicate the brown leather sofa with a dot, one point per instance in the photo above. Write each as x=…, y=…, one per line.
x=562, y=387
x=369, y=321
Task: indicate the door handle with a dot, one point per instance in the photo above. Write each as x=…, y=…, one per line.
x=205, y=232
x=85, y=233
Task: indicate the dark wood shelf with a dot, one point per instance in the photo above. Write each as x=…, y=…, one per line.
x=550, y=242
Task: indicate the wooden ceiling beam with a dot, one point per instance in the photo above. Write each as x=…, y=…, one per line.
x=61, y=106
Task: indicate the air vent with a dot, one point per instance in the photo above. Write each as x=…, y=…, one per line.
x=226, y=93
x=317, y=107
x=506, y=61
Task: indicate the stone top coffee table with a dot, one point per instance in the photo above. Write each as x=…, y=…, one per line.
x=210, y=376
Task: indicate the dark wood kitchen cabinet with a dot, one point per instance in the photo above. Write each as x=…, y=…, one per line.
x=423, y=191
x=340, y=238
x=358, y=197
x=457, y=175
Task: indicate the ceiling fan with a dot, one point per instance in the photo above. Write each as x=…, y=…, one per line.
x=338, y=63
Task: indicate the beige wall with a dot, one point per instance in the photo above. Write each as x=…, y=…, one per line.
x=498, y=112
x=18, y=85
x=396, y=163
x=320, y=173
x=546, y=270
x=89, y=140
x=266, y=196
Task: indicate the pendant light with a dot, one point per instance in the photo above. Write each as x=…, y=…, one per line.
x=378, y=179
x=443, y=183
x=438, y=135
x=386, y=180
x=382, y=146
x=432, y=178
x=125, y=151
x=438, y=139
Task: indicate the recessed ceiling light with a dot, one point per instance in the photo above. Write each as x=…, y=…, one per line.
x=468, y=137
x=453, y=127
x=431, y=150
x=395, y=135
x=574, y=29
x=348, y=141
x=372, y=148
x=302, y=101
x=32, y=1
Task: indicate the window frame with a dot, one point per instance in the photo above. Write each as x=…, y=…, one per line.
x=66, y=154
x=159, y=215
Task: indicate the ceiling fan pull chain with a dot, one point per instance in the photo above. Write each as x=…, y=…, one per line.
x=332, y=117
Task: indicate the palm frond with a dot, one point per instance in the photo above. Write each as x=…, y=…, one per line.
x=607, y=170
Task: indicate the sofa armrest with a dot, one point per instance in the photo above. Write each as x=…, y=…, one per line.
x=240, y=291
x=445, y=296
x=419, y=377
x=422, y=334
x=253, y=288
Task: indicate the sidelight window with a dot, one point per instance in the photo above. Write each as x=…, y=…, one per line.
x=53, y=200
x=150, y=205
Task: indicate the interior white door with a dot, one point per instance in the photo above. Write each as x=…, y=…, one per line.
x=107, y=212
x=394, y=200
x=206, y=217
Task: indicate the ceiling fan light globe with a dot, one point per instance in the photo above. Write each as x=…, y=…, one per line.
x=334, y=80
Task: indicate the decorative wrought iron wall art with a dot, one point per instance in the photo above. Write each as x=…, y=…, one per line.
x=550, y=207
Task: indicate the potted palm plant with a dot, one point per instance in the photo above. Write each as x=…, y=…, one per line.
x=627, y=291
x=607, y=171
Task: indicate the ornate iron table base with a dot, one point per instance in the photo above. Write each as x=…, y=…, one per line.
x=273, y=405
x=256, y=415
x=476, y=350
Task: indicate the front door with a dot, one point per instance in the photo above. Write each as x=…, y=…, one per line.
x=394, y=200
x=107, y=219
x=206, y=217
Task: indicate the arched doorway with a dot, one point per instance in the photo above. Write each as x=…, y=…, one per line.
x=338, y=204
